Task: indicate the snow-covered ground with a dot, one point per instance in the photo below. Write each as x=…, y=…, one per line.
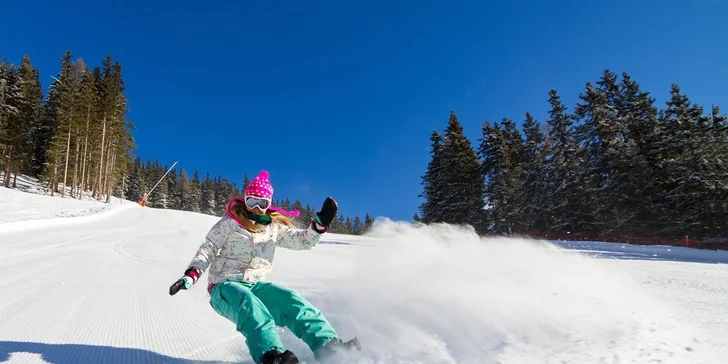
x=29, y=201
x=94, y=289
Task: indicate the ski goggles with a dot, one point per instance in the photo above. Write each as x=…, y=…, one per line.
x=255, y=201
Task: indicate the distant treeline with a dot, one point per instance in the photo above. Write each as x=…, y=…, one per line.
x=615, y=163
x=179, y=191
x=77, y=138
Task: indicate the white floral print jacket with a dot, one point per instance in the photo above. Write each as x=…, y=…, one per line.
x=235, y=254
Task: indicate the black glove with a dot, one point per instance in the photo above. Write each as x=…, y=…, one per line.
x=185, y=282
x=182, y=283
x=327, y=214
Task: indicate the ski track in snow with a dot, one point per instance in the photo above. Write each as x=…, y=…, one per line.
x=94, y=290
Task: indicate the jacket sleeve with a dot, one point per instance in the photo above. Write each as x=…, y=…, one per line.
x=297, y=239
x=214, y=241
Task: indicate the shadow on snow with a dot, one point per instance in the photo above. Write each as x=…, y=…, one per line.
x=641, y=252
x=334, y=242
x=94, y=354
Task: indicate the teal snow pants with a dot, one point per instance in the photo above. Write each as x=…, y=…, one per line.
x=258, y=308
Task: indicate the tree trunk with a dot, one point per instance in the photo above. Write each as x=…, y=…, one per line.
x=85, y=152
x=97, y=189
x=54, y=179
x=89, y=178
x=76, y=161
x=123, y=185
x=2, y=154
x=104, y=177
x=65, y=170
x=109, y=169
x=8, y=167
x=110, y=183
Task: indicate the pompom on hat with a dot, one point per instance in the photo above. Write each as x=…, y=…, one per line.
x=260, y=186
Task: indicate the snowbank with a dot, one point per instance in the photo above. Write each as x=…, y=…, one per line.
x=29, y=201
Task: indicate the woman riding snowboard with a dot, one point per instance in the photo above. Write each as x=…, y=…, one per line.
x=239, y=251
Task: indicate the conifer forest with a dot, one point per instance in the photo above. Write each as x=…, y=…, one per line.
x=615, y=163
x=78, y=138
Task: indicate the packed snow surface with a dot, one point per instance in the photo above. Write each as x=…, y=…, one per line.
x=94, y=289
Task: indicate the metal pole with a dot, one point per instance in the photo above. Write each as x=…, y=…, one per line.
x=160, y=180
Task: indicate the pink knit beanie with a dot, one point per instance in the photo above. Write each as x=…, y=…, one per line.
x=260, y=186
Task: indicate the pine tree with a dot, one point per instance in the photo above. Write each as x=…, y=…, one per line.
x=433, y=183
x=349, y=226
x=207, y=196
x=565, y=192
x=116, y=142
x=453, y=189
x=5, y=111
x=492, y=155
x=300, y=221
x=195, y=193
x=156, y=198
x=534, y=186
x=513, y=145
x=632, y=177
x=62, y=99
x=136, y=186
x=597, y=133
x=368, y=223
x=716, y=211
x=184, y=190
x=4, y=108
x=29, y=105
x=14, y=127
x=173, y=191
x=338, y=225
x=357, y=226
x=307, y=215
x=464, y=195
x=222, y=194
x=678, y=194
x=85, y=129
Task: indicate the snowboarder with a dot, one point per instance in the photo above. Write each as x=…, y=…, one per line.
x=239, y=251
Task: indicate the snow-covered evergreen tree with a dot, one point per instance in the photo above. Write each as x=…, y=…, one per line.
x=357, y=226
x=632, y=179
x=492, y=155
x=158, y=198
x=195, y=193
x=565, y=192
x=207, y=196
x=173, y=190
x=534, y=186
x=464, y=189
x=433, y=183
x=136, y=186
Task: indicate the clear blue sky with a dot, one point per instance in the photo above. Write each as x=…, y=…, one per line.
x=339, y=97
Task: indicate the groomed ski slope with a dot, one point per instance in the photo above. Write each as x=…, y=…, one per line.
x=93, y=289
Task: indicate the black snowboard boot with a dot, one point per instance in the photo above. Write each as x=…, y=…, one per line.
x=337, y=345
x=276, y=357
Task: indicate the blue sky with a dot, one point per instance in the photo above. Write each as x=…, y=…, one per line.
x=339, y=98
